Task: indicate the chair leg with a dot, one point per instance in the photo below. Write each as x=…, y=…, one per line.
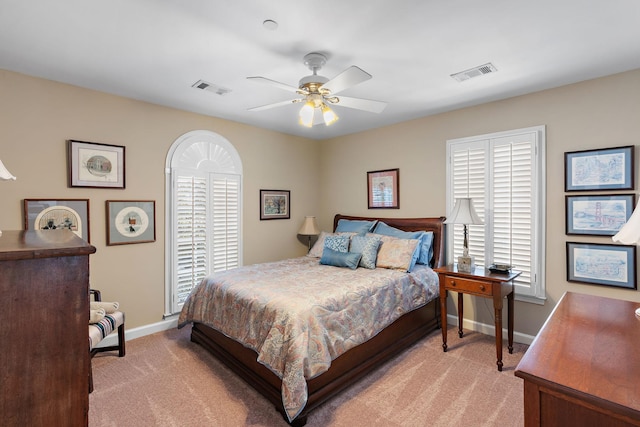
x=121, y=340
x=90, y=375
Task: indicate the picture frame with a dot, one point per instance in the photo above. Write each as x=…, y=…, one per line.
x=275, y=204
x=601, y=215
x=604, y=169
x=95, y=165
x=602, y=264
x=53, y=214
x=130, y=221
x=383, y=189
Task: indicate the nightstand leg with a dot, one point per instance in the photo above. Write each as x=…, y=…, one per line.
x=460, y=314
x=497, y=305
x=443, y=316
x=510, y=299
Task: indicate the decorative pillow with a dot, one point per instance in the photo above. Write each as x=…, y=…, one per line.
x=337, y=243
x=368, y=247
x=426, y=240
x=340, y=259
x=318, y=246
x=357, y=226
x=397, y=254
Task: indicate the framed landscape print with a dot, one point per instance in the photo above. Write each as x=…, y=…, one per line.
x=383, y=189
x=605, y=169
x=131, y=221
x=598, y=215
x=275, y=204
x=55, y=214
x=95, y=165
x=602, y=264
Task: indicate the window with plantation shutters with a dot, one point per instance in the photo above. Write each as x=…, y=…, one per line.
x=504, y=175
x=204, y=182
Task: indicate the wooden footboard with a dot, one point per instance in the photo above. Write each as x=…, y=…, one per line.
x=345, y=370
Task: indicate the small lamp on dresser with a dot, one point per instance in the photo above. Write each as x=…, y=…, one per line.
x=5, y=175
x=464, y=213
x=629, y=234
x=309, y=228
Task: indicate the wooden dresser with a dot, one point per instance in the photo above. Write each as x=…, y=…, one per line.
x=44, y=313
x=583, y=368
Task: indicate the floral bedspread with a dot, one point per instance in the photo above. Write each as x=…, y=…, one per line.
x=299, y=315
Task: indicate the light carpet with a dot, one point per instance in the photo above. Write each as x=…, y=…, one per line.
x=166, y=380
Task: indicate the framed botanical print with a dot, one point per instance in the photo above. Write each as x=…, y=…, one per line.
x=275, y=204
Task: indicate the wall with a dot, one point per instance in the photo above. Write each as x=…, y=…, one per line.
x=594, y=114
x=38, y=116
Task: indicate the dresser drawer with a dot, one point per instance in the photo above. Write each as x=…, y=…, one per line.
x=469, y=286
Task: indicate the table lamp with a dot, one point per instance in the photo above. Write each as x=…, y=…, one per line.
x=464, y=213
x=309, y=228
x=5, y=175
x=629, y=234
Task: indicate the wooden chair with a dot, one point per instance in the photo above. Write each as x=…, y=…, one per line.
x=99, y=331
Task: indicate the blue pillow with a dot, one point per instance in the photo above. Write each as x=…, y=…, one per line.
x=368, y=247
x=340, y=259
x=358, y=226
x=425, y=237
x=337, y=243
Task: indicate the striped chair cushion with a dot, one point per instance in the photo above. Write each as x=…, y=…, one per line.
x=98, y=331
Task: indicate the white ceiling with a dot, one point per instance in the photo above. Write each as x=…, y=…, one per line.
x=155, y=50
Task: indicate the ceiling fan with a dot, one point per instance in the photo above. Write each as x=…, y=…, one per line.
x=318, y=92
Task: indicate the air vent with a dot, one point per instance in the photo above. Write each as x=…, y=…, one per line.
x=474, y=72
x=218, y=90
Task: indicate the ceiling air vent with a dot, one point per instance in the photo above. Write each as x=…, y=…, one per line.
x=218, y=90
x=474, y=72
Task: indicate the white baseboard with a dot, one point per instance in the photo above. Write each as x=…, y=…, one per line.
x=483, y=328
x=141, y=331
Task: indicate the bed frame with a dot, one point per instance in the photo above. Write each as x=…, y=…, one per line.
x=353, y=364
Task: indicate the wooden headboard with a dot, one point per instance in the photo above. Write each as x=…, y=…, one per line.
x=435, y=224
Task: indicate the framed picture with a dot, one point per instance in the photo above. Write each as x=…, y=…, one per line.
x=131, y=221
x=275, y=204
x=95, y=165
x=606, y=169
x=598, y=215
x=601, y=264
x=54, y=214
x=383, y=189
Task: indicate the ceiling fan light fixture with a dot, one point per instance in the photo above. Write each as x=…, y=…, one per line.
x=306, y=114
x=329, y=116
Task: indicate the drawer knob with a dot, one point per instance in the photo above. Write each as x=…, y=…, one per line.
x=453, y=283
x=482, y=287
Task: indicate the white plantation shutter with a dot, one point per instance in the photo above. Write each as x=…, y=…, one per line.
x=503, y=174
x=204, y=212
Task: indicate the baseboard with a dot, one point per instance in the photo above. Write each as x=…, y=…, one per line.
x=483, y=328
x=131, y=334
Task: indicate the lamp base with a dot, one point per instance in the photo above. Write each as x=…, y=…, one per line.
x=466, y=264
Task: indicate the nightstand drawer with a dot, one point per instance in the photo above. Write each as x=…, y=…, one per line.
x=464, y=285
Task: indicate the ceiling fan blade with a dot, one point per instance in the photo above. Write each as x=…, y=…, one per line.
x=276, y=104
x=360, y=104
x=346, y=79
x=282, y=86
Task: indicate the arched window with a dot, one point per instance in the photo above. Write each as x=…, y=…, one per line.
x=203, y=211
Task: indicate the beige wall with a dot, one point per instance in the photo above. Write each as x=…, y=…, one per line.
x=594, y=114
x=38, y=116
x=325, y=177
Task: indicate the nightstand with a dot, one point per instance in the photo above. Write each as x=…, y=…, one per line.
x=482, y=283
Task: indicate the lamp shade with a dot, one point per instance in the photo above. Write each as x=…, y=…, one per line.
x=464, y=213
x=309, y=227
x=5, y=175
x=629, y=234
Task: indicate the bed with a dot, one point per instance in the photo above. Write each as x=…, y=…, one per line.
x=348, y=363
